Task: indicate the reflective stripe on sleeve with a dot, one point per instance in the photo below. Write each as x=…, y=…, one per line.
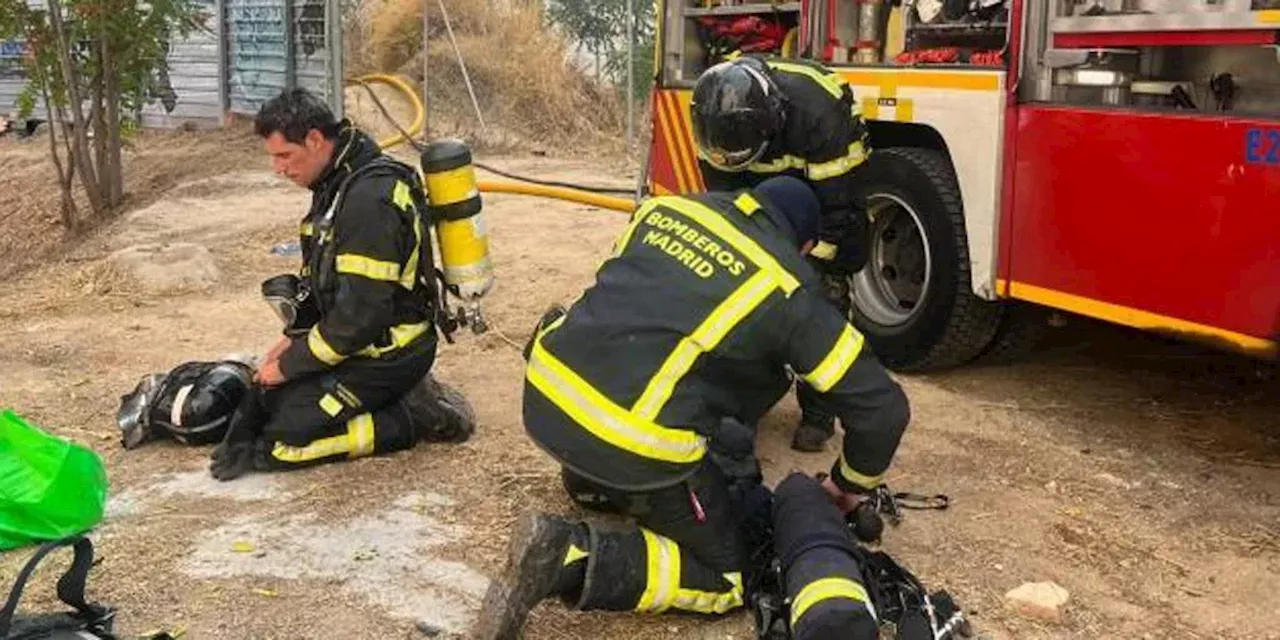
x=828, y=589
x=856, y=155
x=321, y=349
x=662, y=575
x=855, y=478
x=838, y=360
x=358, y=265
x=357, y=442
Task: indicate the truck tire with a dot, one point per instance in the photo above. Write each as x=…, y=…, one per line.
x=914, y=300
x=1022, y=330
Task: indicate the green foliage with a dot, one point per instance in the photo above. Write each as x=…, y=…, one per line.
x=94, y=55
x=600, y=28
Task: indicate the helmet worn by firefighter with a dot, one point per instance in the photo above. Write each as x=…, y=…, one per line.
x=737, y=109
x=192, y=404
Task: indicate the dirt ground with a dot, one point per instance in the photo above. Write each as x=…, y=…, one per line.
x=1142, y=475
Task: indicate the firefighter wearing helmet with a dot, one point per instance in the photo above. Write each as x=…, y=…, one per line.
x=755, y=118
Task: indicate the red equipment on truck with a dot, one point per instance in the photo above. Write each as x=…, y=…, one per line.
x=1118, y=159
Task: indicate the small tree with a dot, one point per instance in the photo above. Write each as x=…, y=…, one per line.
x=90, y=62
x=600, y=28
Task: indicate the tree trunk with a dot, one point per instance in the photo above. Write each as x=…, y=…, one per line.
x=115, y=174
x=68, y=208
x=80, y=152
x=98, y=114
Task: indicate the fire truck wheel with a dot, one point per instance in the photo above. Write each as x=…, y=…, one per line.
x=913, y=300
x=1022, y=329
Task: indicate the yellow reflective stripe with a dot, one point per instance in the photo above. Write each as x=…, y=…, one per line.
x=833, y=83
x=856, y=155
x=321, y=349
x=360, y=436
x=347, y=396
x=358, y=265
x=721, y=227
x=606, y=420
x=823, y=251
x=401, y=197
x=838, y=360
x=330, y=405
x=828, y=589
x=306, y=229
x=401, y=336
x=777, y=166
x=573, y=555
x=853, y=477
x=747, y=204
x=357, y=442
x=410, y=275
x=710, y=601
x=713, y=329
x=662, y=575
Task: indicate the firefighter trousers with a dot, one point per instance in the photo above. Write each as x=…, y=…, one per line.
x=349, y=412
x=682, y=552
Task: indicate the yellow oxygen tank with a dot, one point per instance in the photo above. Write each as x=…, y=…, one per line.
x=454, y=200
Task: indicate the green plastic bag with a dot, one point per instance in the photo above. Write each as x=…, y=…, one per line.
x=49, y=488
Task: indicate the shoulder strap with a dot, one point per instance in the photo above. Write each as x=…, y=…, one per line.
x=70, y=586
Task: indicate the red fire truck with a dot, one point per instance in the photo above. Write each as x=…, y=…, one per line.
x=1118, y=159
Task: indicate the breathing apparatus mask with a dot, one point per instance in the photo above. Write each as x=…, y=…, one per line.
x=291, y=300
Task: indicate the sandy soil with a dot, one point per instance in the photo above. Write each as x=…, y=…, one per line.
x=1143, y=476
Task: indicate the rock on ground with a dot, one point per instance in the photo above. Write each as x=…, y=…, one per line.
x=1039, y=600
x=165, y=267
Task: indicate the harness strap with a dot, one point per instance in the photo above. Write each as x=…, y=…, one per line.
x=70, y=585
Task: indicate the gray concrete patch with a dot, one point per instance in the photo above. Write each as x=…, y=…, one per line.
x=385, y=558
x=251, y=488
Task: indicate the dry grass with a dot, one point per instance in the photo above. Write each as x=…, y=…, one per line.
x=526, y=89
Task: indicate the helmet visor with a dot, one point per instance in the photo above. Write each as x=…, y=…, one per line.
x=729, y=142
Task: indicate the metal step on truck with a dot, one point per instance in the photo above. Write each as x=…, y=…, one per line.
x=1117, y=159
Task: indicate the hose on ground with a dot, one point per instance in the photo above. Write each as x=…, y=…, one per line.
x=553, y=189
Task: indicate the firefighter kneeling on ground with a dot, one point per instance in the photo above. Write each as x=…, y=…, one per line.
x=351, y=376
x=648, y=391
x=755, y=118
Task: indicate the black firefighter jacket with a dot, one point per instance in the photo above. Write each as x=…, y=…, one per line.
x=823, y=140
x=362, y=246
x=703, y=313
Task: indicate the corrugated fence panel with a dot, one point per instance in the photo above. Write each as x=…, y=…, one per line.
x=257, y=54
x=310, y=47
x=189, y=91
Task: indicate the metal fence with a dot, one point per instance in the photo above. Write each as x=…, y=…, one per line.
x=242, y=53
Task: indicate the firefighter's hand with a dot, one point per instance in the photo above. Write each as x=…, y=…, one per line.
x=846, y=502
x=269, y=374
x=279, y=348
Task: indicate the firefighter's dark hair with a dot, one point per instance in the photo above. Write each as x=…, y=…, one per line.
x=293, y=114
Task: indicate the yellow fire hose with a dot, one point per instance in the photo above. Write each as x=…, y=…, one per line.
x=489, y=186
x=560, y=193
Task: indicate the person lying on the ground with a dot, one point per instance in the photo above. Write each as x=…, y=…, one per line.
x=351, y=376
x=648, y=391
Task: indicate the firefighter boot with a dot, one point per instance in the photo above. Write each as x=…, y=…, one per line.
x=546, y=557
x=439, y=412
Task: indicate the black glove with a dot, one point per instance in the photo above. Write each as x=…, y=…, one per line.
x=233, y=459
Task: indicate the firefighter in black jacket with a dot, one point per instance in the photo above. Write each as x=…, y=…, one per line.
x=647, y=392
x=351, y=376
x=754, y=118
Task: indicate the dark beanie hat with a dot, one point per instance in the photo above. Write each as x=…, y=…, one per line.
x=796, y=201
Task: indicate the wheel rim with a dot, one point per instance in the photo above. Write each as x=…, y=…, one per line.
x=891, y=289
